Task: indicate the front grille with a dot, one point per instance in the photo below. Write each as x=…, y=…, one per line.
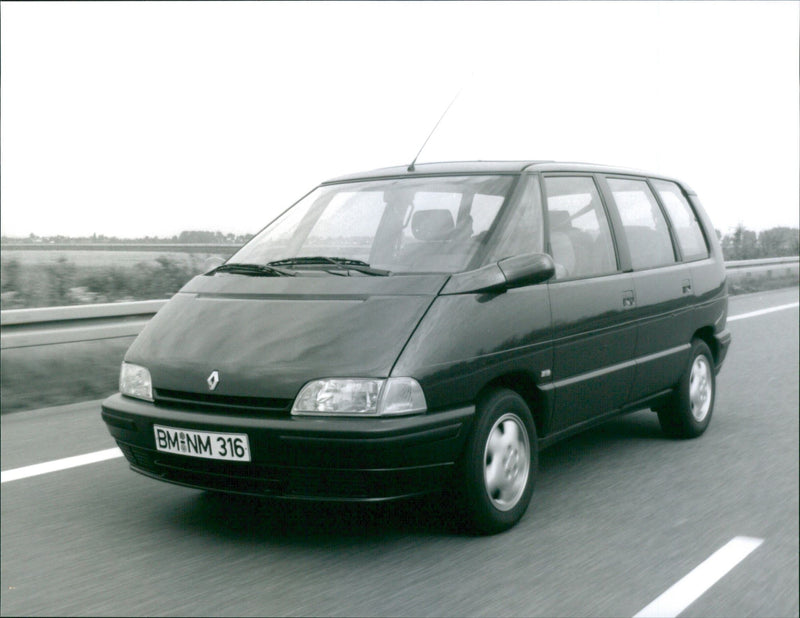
x=219, y=403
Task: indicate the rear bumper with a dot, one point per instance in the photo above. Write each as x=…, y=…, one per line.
x=723, y=342
x=300, y=458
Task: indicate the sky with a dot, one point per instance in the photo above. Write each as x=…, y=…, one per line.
x=146, y=119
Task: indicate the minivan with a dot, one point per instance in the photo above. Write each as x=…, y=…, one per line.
x=430, y=328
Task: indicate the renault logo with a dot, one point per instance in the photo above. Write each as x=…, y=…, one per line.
x=213, y=380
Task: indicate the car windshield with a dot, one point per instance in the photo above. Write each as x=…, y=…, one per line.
x=433, y=224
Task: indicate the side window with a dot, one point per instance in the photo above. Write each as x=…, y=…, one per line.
x=523, y=232
x=644, y=223
x=684, y=222
x=580, y=239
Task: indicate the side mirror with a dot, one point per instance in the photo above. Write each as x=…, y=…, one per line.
x=512, y=272
x=527, y=269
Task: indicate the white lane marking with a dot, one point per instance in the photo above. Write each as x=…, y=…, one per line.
x=753, y=314
x=58, y=464
x=701, y=578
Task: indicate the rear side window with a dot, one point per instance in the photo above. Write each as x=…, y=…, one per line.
x=683, y=219
x=645, y=227
x=580, y=238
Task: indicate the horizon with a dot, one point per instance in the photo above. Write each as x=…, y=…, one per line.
x=35, y=237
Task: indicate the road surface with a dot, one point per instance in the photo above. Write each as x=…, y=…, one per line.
x=620, y=515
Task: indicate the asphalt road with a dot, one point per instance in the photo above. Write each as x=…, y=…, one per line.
x=619, y=515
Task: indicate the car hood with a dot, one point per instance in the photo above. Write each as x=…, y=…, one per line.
x=267, y=336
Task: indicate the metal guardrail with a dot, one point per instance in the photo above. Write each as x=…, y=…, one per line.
x=737, y=264
x=21, y=328
x=742, y=271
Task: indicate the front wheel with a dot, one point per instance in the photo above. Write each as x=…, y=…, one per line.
x=689, y=411
x=499, y=464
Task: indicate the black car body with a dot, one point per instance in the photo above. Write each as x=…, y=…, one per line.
x=398, y=332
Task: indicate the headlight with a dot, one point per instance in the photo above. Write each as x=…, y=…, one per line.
x=134, y=381
x=360, y=397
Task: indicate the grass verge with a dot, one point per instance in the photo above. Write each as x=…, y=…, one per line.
x=63, y=373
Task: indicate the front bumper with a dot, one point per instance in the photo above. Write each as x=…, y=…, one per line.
x=360, y=459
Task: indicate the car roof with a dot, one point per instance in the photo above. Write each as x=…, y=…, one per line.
x=452, y=168
x=437, y=169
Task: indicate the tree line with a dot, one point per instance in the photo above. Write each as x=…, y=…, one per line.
x=744, y=244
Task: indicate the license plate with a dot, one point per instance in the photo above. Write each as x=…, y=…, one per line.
x=205, y=444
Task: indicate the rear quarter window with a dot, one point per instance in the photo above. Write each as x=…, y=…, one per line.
x=644, y=224
x=684, y=220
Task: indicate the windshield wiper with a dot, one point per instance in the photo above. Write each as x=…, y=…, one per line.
x=344, y=263
x=253, y=270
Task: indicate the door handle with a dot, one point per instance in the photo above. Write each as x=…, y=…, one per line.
x=628, y=299
x=687, y=286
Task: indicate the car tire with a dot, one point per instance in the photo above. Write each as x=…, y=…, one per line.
x=688, y=412
x=498, y=469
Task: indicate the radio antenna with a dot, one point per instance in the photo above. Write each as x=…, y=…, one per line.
x=411, y=167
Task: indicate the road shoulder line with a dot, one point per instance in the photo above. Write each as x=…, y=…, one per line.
x=753, y=314
x=58, y=464
x=686, y=591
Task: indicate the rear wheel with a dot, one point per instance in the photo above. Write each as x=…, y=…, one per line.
x=689, y=411
x=499, y=464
